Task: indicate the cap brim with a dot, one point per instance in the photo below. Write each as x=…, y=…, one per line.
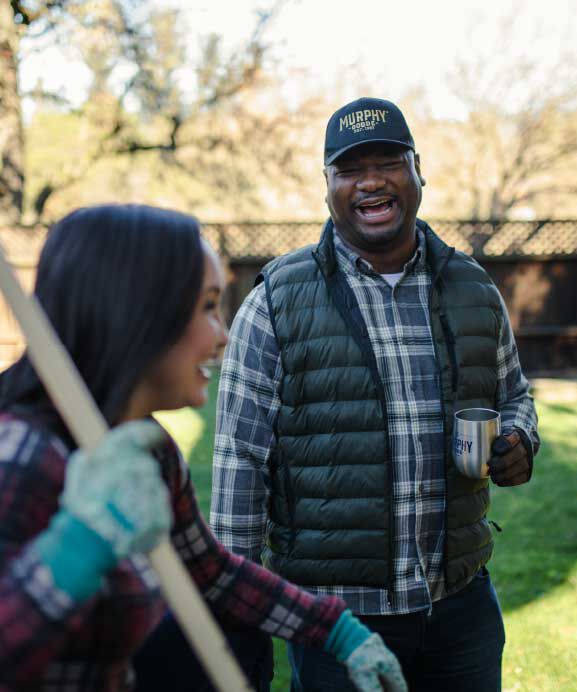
x=340, y=152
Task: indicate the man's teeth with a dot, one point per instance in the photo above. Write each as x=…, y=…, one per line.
x=379, y=203
x=206, y=371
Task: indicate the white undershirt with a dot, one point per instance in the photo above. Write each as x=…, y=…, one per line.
x=392, y=279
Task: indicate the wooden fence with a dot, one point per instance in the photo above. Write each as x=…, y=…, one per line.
x=534, y=264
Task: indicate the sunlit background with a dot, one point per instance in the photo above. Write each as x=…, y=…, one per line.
x=219, y=109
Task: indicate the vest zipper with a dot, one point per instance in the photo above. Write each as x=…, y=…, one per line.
x=434, y=280
x=360, y=335
x=450, y=339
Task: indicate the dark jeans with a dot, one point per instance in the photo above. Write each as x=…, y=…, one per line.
x=458, y=648
x=166, y=662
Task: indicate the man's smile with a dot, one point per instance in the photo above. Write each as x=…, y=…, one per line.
x=377, y=210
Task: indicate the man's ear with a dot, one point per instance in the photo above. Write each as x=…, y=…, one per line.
x=418, y=169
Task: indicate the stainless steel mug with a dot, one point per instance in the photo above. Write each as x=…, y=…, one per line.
x=474, y=431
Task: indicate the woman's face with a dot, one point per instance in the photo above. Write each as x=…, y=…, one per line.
x=182, y=375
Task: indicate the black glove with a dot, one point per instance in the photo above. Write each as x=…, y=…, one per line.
x=512, y=460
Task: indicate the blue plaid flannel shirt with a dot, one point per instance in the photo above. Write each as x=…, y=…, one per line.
x=397, y=319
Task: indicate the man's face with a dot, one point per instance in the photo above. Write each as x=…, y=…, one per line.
x=373, y=194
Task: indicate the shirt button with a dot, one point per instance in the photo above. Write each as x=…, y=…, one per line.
x=421, y=488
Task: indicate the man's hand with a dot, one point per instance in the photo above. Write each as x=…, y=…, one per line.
x=512, y=460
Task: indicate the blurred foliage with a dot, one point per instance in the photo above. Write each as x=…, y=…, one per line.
x=514, y=154
x=217, y=134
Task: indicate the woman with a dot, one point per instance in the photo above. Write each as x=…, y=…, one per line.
x=133, y=293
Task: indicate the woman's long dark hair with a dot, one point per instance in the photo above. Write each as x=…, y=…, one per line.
x=119, y=284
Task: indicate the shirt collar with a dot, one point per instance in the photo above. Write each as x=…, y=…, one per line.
x=349, y=260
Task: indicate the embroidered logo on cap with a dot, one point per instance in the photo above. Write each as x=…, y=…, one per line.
x=363, y=120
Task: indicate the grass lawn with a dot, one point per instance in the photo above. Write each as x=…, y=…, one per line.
x=535, y=563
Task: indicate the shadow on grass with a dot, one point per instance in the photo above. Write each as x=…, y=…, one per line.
x=562, y=408
x=538, y=546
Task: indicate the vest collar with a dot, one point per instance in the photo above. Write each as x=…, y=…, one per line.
x=324, y=253
x=438, y=253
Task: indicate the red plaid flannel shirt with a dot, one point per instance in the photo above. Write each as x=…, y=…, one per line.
x=49, y=642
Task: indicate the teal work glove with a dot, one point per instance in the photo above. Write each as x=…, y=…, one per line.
x=114, y=504
x=371, y=666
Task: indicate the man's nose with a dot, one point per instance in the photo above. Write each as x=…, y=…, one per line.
x=371, y=179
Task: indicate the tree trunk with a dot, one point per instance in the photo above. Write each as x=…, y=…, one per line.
x=498, y=208
x=11, y=135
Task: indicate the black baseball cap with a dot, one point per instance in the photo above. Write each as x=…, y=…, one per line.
x=365, y=120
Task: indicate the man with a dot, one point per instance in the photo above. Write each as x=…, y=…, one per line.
x=343, y=371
